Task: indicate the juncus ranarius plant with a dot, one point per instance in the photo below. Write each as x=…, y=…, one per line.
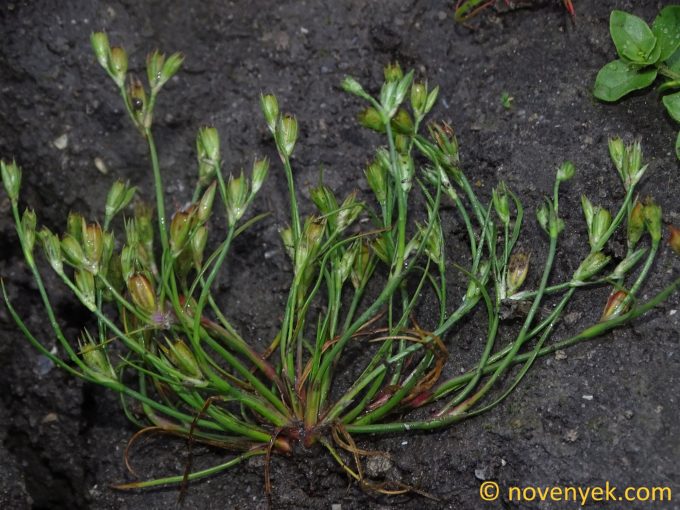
x=359, y=270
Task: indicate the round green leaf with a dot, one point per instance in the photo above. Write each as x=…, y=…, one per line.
x=632, y=37
x=673, y=62
x=672, y=104
x=617, y=78
x=666, y=28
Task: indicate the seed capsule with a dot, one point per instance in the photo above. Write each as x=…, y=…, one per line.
x=371, y=119
x=260, y=171
x=101, y=48
x=653, y=220
x=72, y=251
x=96, y=360
x=418, y=97
x=93, y=244
x=119, y=64
x=614, y=306
x=142, y=293
x=11, y=178
x=674, y=239
x=85, y=284
x=179, y=230
x=286, y=134
x=518, y=268
x=636, y=224
x=393, y=72
x=206, y=203
x=270, y=110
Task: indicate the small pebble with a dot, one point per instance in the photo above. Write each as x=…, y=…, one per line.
x=101, y=166
x=560, y=355
x=61, y=142
x=571, y=435
x=587, y=397
x=377, y=466
x=572, y=318
x=44, y=365
x=50, y=418
x=480, y=474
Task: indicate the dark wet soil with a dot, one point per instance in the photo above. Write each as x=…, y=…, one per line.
x=604, y=411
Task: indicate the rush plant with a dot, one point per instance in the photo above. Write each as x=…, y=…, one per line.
x=359, y=271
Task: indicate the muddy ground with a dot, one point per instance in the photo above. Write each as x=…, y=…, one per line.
x=607, y=411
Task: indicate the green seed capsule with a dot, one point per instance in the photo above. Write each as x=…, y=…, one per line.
x=260, y=171
x=636, y=224
x=101, y=48
x=119, y=64
x=11, y=178
x=270, y=110
x=653, y=220
x=286, y=134
x=418, y=97
x=96, y=360
x=72, y=251
x=85, y=283
x=371, y=119
x=52, y=248
x=206, y=203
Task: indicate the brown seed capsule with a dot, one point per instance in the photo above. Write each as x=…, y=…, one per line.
x=137, y=94
x=142, y=293
x=518, y=268
x=614, y=306
x=179, y=230
x=93, y=244
x=674, y=239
